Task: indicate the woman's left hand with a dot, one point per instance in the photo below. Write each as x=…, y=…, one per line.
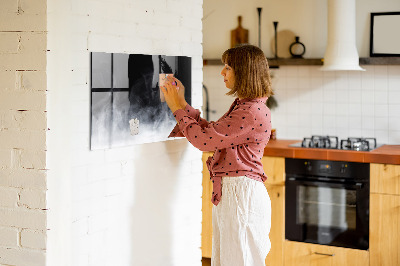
x=170, y=91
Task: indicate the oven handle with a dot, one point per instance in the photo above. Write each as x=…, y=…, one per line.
x=357, y=185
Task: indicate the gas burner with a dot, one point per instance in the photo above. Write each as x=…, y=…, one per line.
x=332, y=142
x=358, y=144
x=327, y=142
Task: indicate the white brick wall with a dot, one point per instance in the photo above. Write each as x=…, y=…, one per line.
x=138, y=205
x=23, y=132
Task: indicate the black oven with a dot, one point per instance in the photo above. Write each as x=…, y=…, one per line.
x=327, y=202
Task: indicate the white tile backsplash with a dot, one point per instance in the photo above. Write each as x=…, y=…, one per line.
x=343, y=103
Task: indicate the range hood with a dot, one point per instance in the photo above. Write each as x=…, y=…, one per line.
x=341, y=51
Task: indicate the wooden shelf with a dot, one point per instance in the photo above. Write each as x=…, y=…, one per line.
x=273, y=63
x=380, y=61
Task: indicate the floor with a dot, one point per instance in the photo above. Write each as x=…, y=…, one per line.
x=206, y=261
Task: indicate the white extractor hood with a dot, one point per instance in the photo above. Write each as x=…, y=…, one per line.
x=341, y=51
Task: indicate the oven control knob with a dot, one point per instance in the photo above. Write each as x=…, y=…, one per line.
x=343, y=168
x=308, y=166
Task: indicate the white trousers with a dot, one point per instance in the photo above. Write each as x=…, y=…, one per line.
x=241, y=223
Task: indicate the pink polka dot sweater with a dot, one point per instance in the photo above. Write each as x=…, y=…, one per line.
x=238, y=139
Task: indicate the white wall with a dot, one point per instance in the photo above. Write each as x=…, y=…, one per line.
x=311, y=102
x=306, y=19
x=343, y=104
x=23, y=133
x=137, y=205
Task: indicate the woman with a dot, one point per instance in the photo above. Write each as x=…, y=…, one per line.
x=242, y=208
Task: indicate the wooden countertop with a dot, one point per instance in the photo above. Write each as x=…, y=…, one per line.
x=389, y=154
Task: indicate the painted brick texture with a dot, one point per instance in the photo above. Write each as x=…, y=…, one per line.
x=23, y=132
x=117, y=206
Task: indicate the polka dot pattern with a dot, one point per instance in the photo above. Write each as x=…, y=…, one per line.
x=238, y=139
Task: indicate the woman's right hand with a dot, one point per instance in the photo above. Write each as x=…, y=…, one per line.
x=181, y=91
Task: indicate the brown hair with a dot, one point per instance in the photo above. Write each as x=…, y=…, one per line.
x=250, y=66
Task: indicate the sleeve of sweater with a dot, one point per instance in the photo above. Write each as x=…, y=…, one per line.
x=231, y=130
x=193, y=113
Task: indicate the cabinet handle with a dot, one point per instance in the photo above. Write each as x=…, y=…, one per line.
x=324, y=254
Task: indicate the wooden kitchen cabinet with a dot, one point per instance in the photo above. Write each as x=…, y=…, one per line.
x=384, y=236
x=277, y=233
x=274, y=168
x=206, y=225
x=385, y=178
x=305, y=254
x=385, y=215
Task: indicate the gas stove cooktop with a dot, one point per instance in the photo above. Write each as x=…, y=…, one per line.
x=332, y=142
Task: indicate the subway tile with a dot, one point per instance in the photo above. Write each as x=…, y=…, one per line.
x=394, y=110
x=303, y=82
x=329, y=122
x=382, y=136
x=380, y=97
x=380, y=84
x=304, y=72
x=394, y=137
x=381, y=123
x=367, y=96
x=342, y=122
x=342, y=96
x=355, y=122
x=342, y=133
x=354, y=80
x=380, y=71
x=342, y=81
x=355, y=96
x=315, y=72
x=394, y=71
x=292, y=83
x=317, y=131
x=367, y=82
x=317, y=107
x=355, y=109
x=367, y=133
x=328, y=74
x=394, y=97
x=317, y=120
x=329, y=109
x=305, y=95
x=280, y=72
x=316, y=83
x=394, y=83
x=367, y=122
x=304, y=108
x=381, y=110
x=329, y=94
x=367, y=110
x=355, y=132
x=291, y=71
x=394, y=123
x=342, y=109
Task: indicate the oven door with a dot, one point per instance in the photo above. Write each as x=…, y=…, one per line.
x=327, y=213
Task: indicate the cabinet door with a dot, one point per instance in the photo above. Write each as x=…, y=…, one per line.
x=384, y=230
x=206, y=226
x=274, y=168
x=277, y=233
x=385, y=178
x=304, y=254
